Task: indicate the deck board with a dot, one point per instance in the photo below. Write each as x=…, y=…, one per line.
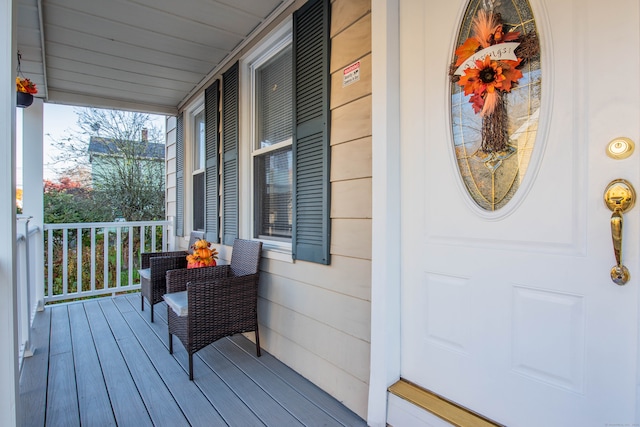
x=159, y=402
x=125, y=399
x=259, y=401
x=105, y=358
x=93, y=399
x=292, y=401
x=193, y=403
x=206, y=387
x=302, y=385
x=34, y=369
x=62, y=400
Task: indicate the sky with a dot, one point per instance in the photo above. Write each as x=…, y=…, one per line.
x=59, y=121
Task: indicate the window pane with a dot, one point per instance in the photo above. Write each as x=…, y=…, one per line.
x=198, y=142
x=198, y=201
x=274, y=100
x=273, y=194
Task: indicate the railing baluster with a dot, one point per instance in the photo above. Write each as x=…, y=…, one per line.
x=143, y=230
x=79, y=253
x=153, y=239
x=50, y=262
x=65, y=261
x=118, y=256
x=130, y=267
x=105, y=266
x=93, y=259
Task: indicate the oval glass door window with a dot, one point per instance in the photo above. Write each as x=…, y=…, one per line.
x=495, y=98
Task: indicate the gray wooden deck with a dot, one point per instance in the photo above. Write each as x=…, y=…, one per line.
x=102, y=363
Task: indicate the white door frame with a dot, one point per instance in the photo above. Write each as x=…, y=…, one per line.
x=385, y=278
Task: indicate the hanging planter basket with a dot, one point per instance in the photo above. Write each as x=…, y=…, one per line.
x=23, y=99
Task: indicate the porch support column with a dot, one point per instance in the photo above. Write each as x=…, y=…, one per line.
x=8, y=301
x=385, y=282
x=32, y=199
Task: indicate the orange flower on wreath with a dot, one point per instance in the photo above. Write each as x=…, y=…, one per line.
x=487, y=77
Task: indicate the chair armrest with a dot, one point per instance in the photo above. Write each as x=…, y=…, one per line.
x=146, y=256
x=177, y=279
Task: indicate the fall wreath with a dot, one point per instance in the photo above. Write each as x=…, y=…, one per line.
x=487, y=66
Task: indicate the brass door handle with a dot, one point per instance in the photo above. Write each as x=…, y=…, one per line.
x=620, y=197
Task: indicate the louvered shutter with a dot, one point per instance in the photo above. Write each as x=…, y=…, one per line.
x=211, y=101
x=311, y=150
x=230, y=155
x=180, y=176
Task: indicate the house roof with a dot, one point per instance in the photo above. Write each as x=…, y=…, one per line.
x=108, y=146
x=143, y=55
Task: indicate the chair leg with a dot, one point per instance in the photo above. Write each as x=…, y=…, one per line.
x=257, y=341
x=170, y=343
x=141, y=302
x=151, y=313
x=190, y=367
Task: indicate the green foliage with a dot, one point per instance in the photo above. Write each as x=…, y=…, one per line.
x=61, y=207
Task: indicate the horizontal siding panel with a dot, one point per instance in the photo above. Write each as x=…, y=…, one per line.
x=351, y=237
x=346, y=314
x=341, y=350
x=351, y=199
x=346, y=275
x=346, y=12
x=346, y=388
x=354, y=42
x=351, y=121
x=351, y=160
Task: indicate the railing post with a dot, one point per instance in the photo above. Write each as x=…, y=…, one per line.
x=171, y=236
x=28, y=351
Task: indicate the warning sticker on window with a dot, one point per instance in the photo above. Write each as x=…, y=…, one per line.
x=351, y=74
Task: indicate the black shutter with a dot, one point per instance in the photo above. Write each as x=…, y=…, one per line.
x=211, y=117
x=230, y=155
x=180, y=176
x=311, y=150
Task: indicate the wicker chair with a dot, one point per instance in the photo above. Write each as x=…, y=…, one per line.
x=155, y=265
x=209, y=303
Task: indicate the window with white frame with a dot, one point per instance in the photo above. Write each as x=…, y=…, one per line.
x=272, y=101
x=198, y=175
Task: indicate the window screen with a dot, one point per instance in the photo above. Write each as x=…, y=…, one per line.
x=274, y=100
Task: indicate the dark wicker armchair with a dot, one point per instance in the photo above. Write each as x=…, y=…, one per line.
x=209, y=303
x=155, y=265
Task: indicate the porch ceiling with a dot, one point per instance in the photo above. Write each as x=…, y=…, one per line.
x=146, y=55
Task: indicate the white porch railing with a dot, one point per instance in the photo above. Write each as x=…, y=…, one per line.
x=26, y=286
x=91, y=259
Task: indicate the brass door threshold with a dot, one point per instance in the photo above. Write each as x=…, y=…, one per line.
x=439, y=406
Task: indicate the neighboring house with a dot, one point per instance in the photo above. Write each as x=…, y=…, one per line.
x=105, y=155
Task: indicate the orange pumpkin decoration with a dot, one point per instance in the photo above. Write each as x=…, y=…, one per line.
x=203, y=255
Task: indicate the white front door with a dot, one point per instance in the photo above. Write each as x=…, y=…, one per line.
x=513, y=313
